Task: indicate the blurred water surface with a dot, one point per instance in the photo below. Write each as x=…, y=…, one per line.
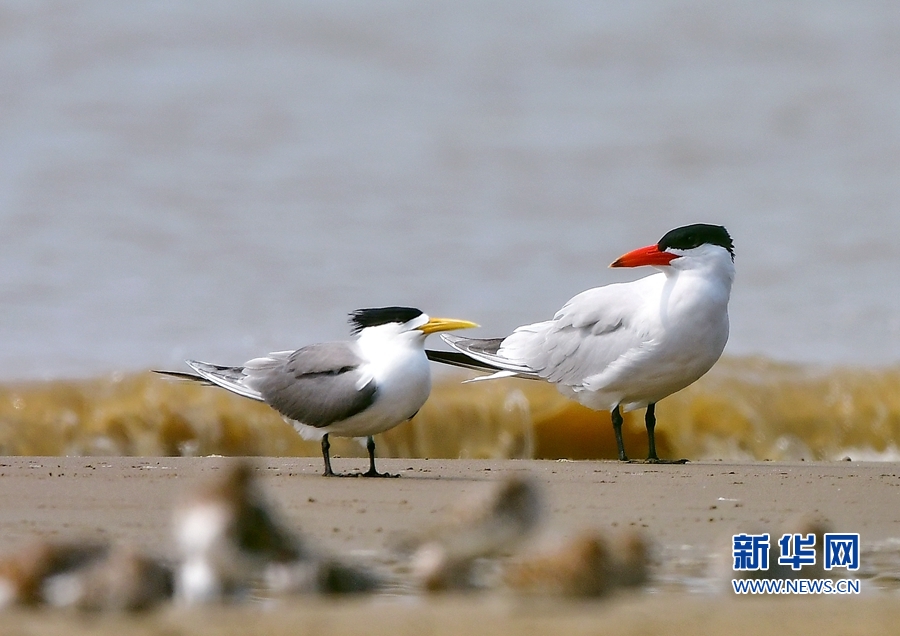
x=220, y=179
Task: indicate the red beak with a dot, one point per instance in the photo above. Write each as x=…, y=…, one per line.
x=650, y=255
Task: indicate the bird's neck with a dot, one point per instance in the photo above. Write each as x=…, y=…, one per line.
x=713, y=272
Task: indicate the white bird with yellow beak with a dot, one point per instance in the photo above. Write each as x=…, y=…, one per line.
x=354, y=388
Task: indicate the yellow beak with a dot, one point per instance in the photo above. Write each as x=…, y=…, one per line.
x=445, y=324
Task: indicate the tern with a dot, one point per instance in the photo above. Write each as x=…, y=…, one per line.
x=625, y=346
x=354, y=388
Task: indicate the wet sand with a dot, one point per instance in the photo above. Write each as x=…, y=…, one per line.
x=688, y=512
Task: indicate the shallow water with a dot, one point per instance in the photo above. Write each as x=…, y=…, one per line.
x=745, y=408
x=223, y=179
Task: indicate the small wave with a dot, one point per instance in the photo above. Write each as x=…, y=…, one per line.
x=745, y=408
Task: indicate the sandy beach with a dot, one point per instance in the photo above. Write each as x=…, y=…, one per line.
x=688, y=513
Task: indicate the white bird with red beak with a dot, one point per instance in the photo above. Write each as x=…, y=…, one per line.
x=625, y=346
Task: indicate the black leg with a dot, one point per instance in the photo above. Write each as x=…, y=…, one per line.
x=652, y=457
x=325, y=448
x=650, y=421
x=617, y=428
x=370, y=446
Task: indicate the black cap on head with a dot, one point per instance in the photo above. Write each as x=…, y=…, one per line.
x=691, y=236
x=362, y=318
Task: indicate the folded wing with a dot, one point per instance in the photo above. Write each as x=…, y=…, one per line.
x=596, y=332
x=316, y=385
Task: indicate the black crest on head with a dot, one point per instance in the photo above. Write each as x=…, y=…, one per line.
x=362, y=318
x=691, y=236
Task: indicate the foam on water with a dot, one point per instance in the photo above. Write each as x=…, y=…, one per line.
x=745, y=408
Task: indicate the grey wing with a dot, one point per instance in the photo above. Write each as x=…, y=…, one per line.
x=317, y=385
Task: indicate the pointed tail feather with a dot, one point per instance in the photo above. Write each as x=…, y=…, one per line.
x=487, y=352
x=484, y=346
x=183, y=376
x=229, y=378
x=480, y=354
x=457, y=359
